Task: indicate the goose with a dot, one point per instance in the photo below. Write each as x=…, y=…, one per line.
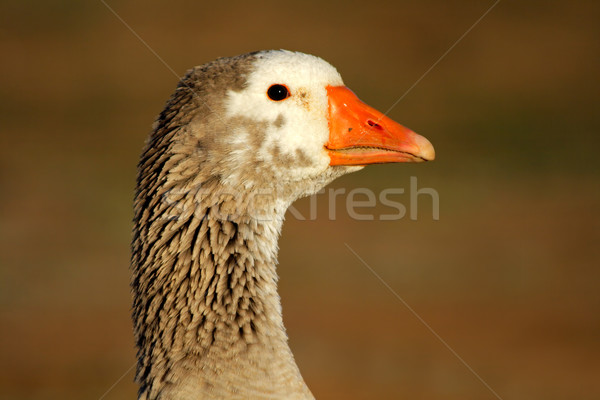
x=240, y=139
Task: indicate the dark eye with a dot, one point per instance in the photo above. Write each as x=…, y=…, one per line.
x=278, y=92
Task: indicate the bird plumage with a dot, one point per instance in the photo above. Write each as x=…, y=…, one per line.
x=219, y=170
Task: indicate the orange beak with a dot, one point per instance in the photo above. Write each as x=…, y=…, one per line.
x=360, y=135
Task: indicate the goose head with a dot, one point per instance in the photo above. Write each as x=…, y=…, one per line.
x=278, y=123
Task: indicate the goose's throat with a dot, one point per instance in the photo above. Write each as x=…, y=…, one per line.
x=205, y=297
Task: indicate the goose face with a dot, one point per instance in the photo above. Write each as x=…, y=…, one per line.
x=315, y=128
x=275, y=121
x=287, y=93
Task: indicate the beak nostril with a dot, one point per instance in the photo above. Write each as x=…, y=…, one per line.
x=374, y=124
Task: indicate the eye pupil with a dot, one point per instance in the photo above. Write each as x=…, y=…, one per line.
x=278, y=92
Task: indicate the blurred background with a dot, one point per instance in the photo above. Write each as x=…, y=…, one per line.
x=508, y=276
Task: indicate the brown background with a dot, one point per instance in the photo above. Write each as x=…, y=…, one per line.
x=508, y=276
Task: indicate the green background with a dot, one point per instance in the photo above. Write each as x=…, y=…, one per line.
x=508, y=277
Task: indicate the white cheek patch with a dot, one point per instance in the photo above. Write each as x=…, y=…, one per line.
x=298, y=124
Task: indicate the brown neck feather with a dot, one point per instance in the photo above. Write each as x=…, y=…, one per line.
x=206, y=311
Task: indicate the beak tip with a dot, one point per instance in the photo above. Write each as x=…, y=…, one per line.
x=426, y=150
